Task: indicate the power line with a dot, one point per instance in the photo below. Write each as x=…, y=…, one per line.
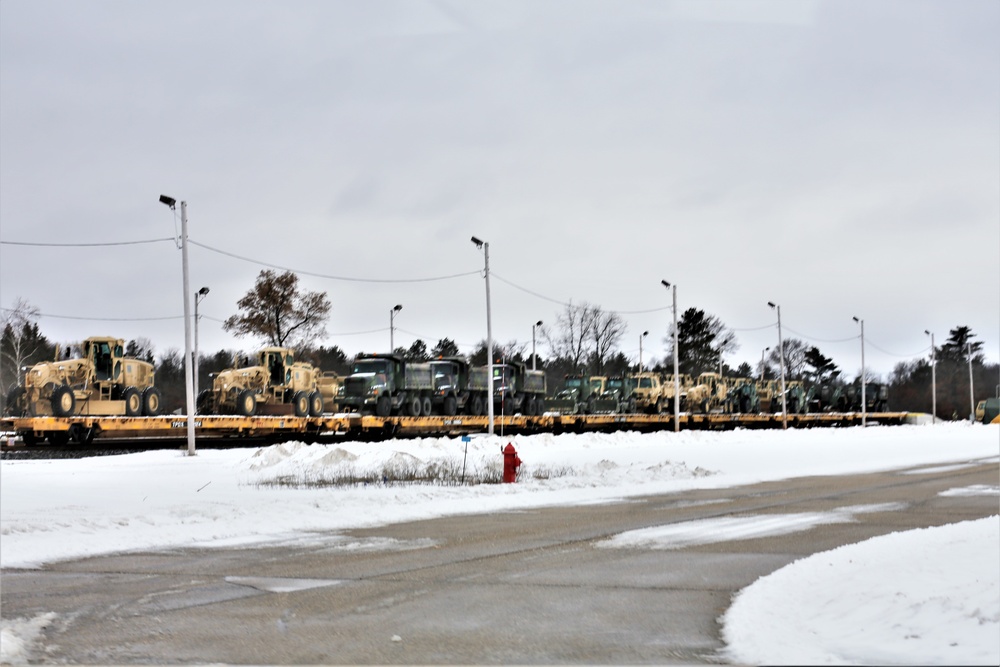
x=328, y=276
x=570, y=305
x=83, y=245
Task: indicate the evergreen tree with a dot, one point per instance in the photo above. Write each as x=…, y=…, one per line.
x=702, y=340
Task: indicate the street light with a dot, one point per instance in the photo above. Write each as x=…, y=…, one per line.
x=188, y=371
x=933, y=378
x=489, y=333
x=644, y=334
x=762, y=363
x=199, y=295
x=972, y=397
x=533, y=357
x=677, y=377
x=392, y=313
x=864, y=380
x=781, y=356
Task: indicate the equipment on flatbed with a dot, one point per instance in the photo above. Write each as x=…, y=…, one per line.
x=517, y=389
x=617, y=396
x=451, y=393
x=274, y=384
x=388, y=384
x=102, y=382
x=578, y=395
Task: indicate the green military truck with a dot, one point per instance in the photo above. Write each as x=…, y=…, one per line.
x=578, y=395
x=617, y=396
x=387, y=384
x=517, y=389
x=451, y=392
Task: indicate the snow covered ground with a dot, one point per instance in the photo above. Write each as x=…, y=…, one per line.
x=919, y=597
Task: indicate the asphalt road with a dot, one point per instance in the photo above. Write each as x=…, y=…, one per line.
x=528, y=587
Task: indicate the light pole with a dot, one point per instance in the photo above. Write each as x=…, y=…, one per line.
x=933, y=379
x=392, y=314
x=644, y=334
x=188, y=371
x=199, y=295
x=762, y=363
x=864, y=380
x=781, y=356
x=489, y=333
x=533, y=356
x=972, y=397
x=677, y=377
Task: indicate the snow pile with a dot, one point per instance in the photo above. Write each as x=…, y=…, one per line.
x=919, y=597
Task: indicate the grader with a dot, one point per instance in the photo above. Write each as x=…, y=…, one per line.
x=272, y=383
x=101, y=382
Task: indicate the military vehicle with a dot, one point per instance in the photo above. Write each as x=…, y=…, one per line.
x=272, y=382
x=708, y=393
x=650, y=393
x=741, y=397
x=517, y=389
x=451, y=393
x=388, y=384
x=578, y=395
x=616, y=397
x=103, y=381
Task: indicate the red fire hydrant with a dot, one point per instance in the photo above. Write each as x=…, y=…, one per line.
x=511, y=463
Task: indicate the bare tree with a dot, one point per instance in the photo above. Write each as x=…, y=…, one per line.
x=606, y=330
x=572, y=339
x=21, y=342
x=276, y=311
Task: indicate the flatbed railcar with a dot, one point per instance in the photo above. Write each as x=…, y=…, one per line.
x=83, y=430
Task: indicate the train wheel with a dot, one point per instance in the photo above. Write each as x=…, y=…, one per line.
x=150, y=401
x=315, y=404
x=63, y=401
x=133, y=402
x=246, y=404
x=301, y=402
x=59, y=438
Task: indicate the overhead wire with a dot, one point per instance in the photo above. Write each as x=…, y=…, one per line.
x=84, y=245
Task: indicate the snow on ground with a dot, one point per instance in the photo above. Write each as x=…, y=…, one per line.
x=60, y=509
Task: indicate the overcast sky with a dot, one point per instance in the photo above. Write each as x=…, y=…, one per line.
x=839, y=157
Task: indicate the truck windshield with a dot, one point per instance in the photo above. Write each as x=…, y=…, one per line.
x=371, y=366
x=645, y=383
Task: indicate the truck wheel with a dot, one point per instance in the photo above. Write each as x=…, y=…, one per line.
x=133, y=402
x=630, y=408
x=590, y=406
x=246, y=404
x=450, y=405
x=63, y=401
x=426, y=408
x=300, y=400
x=529, y=406
x=477, y=405
x=413, y=407
x=383, y=406
x=150, y=401
x=315, y=404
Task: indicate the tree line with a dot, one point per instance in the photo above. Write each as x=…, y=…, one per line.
x=584, y=340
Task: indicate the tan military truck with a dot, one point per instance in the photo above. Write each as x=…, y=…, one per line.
x=652, y=393
x=102, y=381
x=708, y=393
x=272, y=382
